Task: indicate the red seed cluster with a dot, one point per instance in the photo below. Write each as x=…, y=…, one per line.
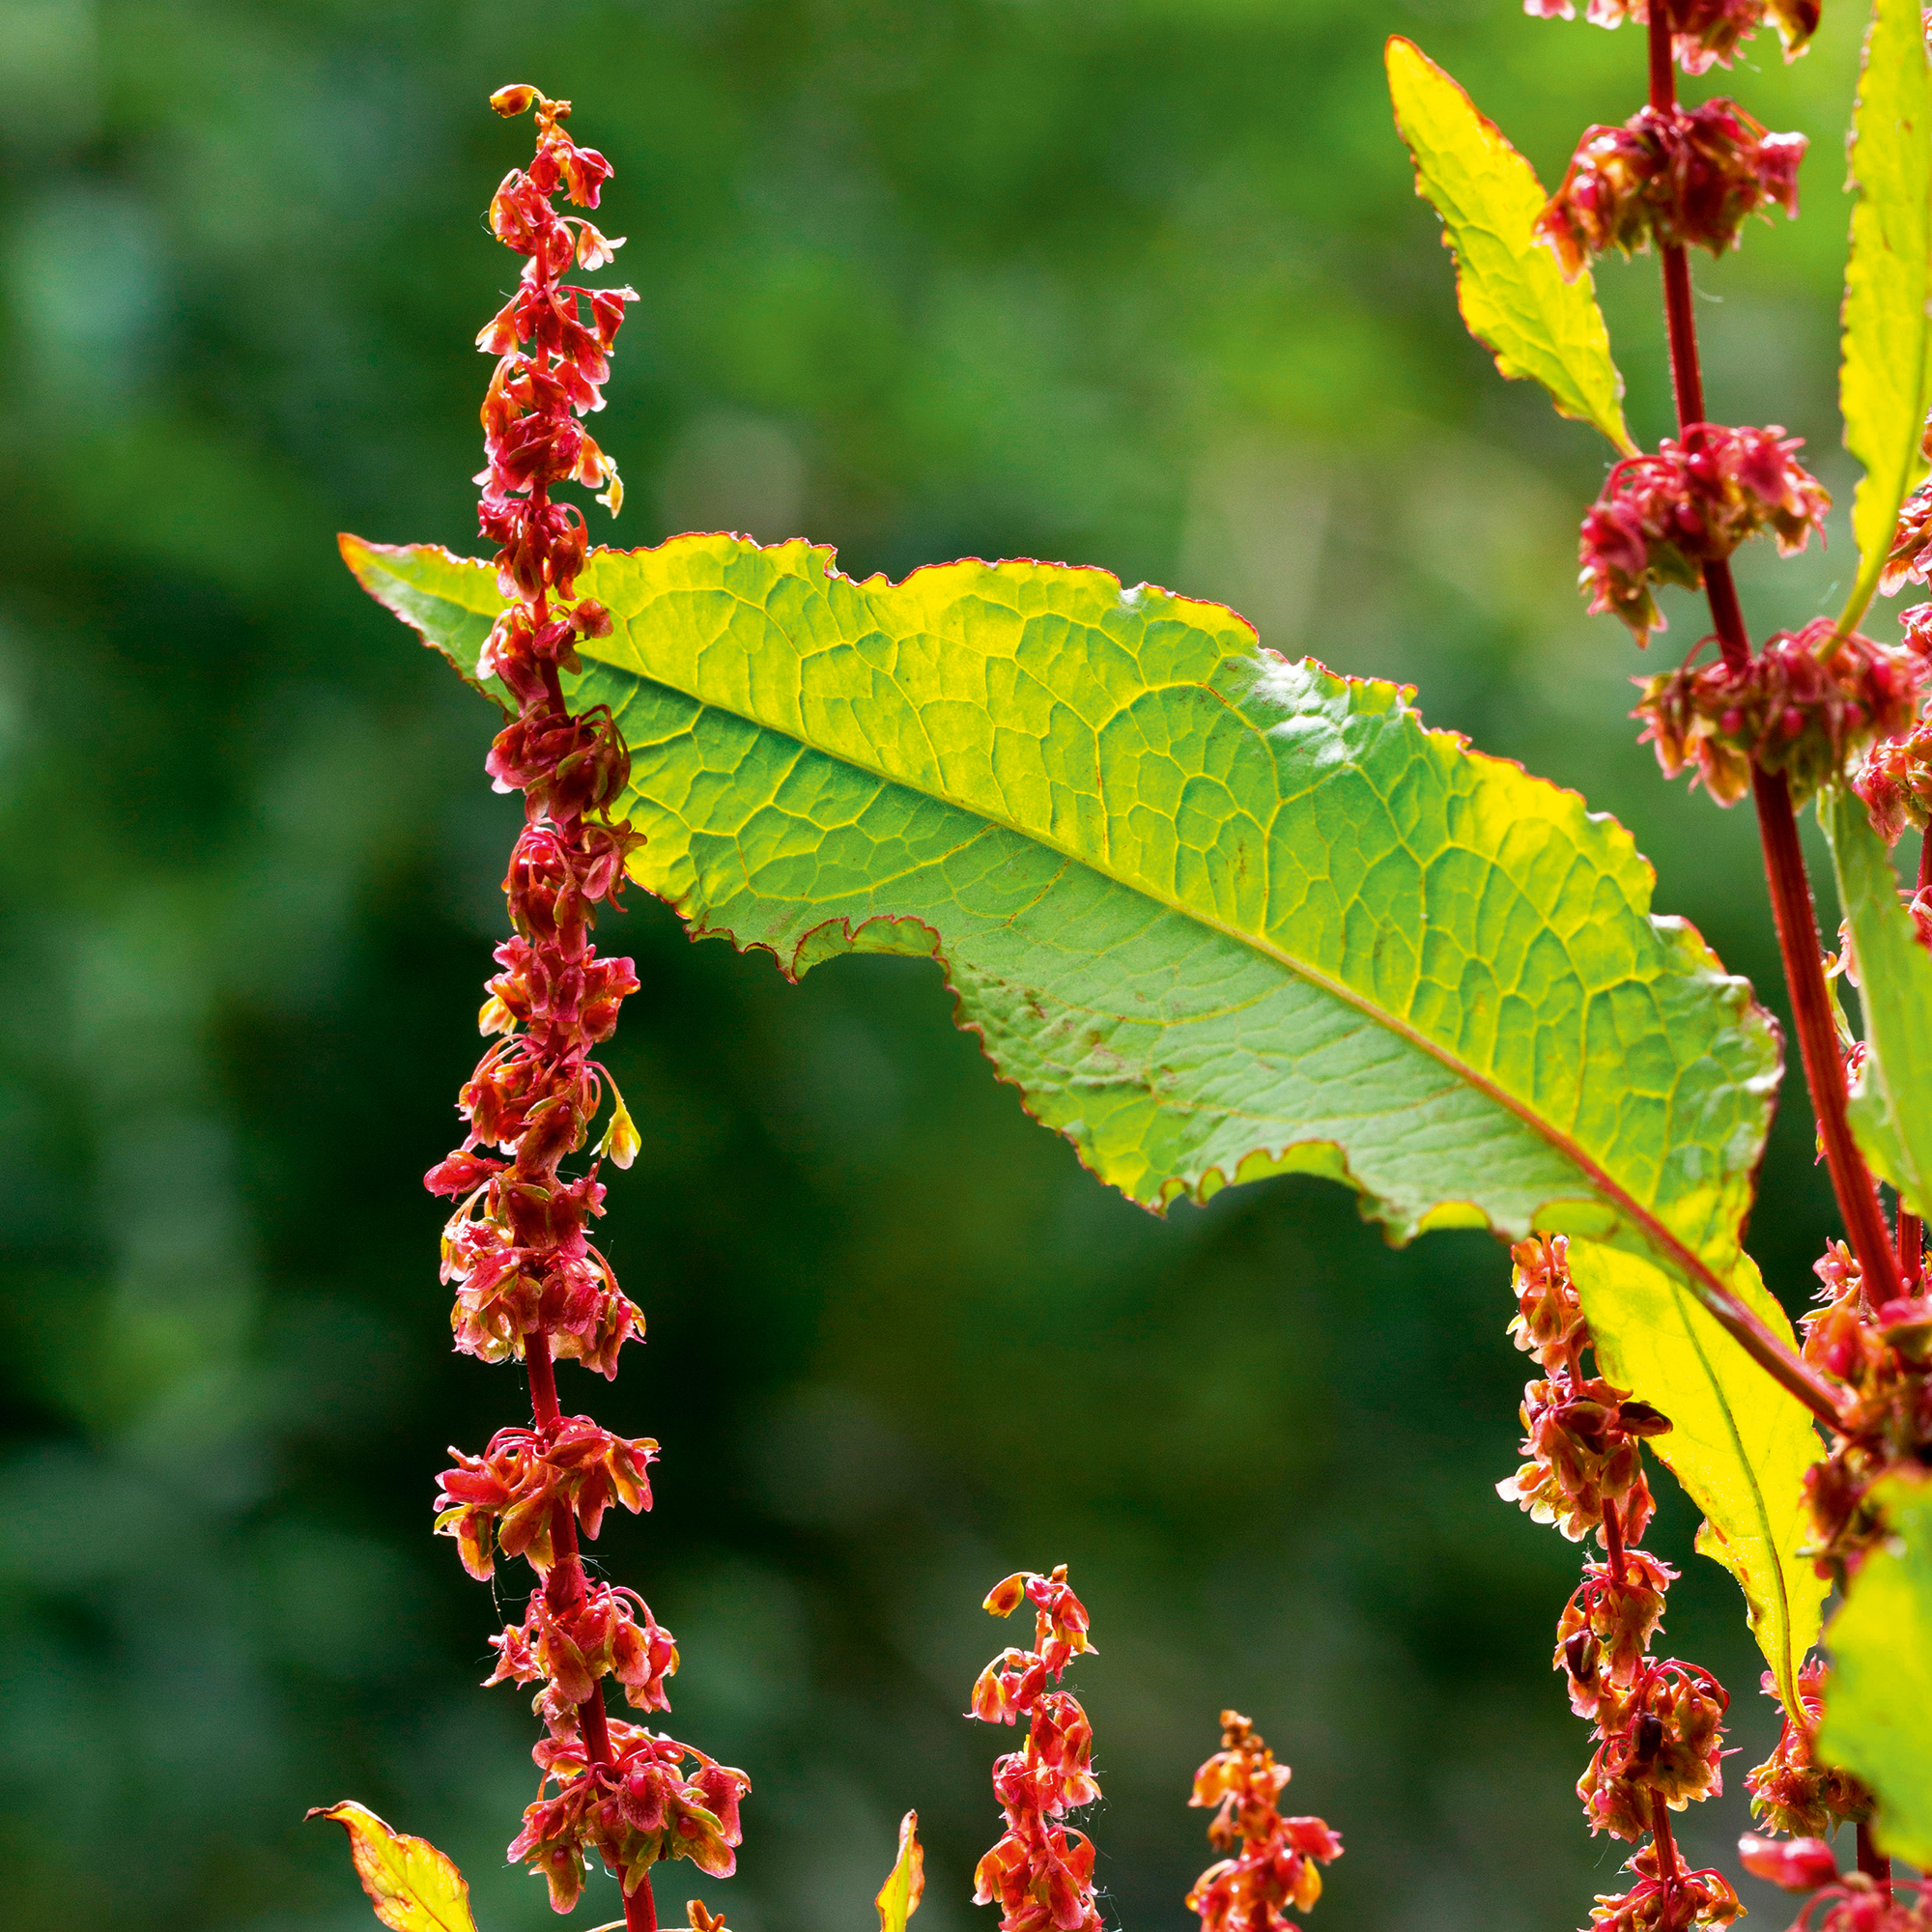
x=1660, y=519
x=1658, y=1725
x=1790, y=709
x=1683, y=178
x=1273, y=1862
x=529, y=1283
x=1792, y=1793
x=1703, y=33
x=650, y=1799
x=1039, y=1872
x=1882, y=1357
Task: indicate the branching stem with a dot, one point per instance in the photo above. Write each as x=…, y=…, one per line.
x=1777, y=824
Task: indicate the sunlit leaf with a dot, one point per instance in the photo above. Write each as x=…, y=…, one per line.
x=1878, y=1703
x=905, y=1883
x=1892, y=1107
x=1738, y=1442
x=1883, y=379
x=1508, y=286
x=1215, y=914
x=439, y=602
x=412, y=1886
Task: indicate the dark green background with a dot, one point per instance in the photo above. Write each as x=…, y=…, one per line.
x=1132, y=282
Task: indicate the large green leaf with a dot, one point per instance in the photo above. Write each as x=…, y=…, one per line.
x=1878, y=1703
x=1738, y=1442
x=1883, y=381
x=1508, y=285
x=1891, y=1105
x=1215, y=914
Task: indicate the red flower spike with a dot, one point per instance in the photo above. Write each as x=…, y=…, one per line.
x=1682, y=178
x=1883, y=1358
x=1909, y=559
x=1662, y=1739
x=1789, y=711
x=1040, y=1874
x=1657, y=1725
x=1659, y=519
x=528, y=1282
x=1677, y=1904
x=1860, y=1905
x=1704, y=33
x=1276, y=1860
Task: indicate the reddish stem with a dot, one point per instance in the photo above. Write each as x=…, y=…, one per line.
x=1872, y=1862
x=1613, y=1540
x=1778, y=826
x=1666, y=1850
x=1818, y=1034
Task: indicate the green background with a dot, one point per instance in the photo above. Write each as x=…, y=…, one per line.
x=1132, y=282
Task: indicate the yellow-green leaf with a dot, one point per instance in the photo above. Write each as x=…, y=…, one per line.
x=1878, y=1702
x=1738, y=1442
x=412, y=1886
x=438, y=603
x=1217, y=915
x=1508, y=286
x=1891, y=1105
x=905, y=1885
x=1887, y=360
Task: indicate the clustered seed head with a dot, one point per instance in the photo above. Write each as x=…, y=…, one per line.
x=1274, y=1862
x=507, y=1497
x=651, y=1799
x=528, y=1282
x=1857, y=1903
x=1657, y=1723
x=1793, y=1794
x=1787, y=710
x=1660, y=519
x=1896, y=781
x=1040, y=1873
x=1703, y=33
x=1685, y=178
x=1882, y=1357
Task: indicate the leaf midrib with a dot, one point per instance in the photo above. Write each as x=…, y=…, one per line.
x=1653, y=1231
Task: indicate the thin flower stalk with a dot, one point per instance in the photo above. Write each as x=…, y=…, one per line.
x=529, y=1283
x=1040, y=1872
x=1656, y=1723
x=1270, y=1862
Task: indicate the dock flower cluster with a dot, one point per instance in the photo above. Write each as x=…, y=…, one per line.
x=529, y=1283
x=1656, y=1724
x=1272, y=1862
x=1040, y=1873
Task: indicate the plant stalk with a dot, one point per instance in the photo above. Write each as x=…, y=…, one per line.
x=1911, y=1229
x=1777, y=824
x=1872, y=1862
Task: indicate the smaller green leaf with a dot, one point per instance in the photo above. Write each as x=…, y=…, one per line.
x=412, y=1886
x=1878, y=1703
x=1738, y=1443
x=905, y=1885
x=1891, y=1105
x=443, y=597
x=1883, y=382
x=1510, y=290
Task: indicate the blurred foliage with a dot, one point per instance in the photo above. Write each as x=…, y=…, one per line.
x=1132, y=282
